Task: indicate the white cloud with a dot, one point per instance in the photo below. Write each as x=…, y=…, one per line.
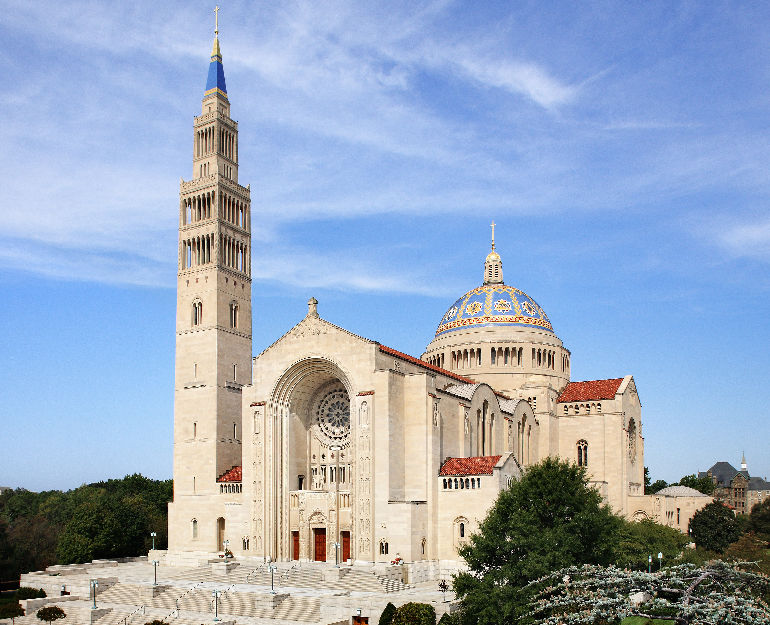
x=746, y=239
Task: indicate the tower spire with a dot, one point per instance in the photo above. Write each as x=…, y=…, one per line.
x=215, y=82
x=493, y=236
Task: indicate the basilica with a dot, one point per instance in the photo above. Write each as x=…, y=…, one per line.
x=329, y=446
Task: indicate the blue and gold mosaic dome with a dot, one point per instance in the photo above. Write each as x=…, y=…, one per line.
x=494, y=305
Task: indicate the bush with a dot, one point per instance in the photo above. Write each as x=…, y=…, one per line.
x=156, y=622
x=25, y=592
x=50, y=613
x=386, y=618
x=413, y=613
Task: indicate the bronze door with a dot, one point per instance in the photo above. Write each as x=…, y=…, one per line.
x=295, y=545
x=345, y=546
x=319, y=534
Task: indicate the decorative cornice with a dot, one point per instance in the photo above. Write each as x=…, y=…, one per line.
x=364, y=393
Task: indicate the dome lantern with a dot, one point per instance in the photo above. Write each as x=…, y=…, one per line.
x=493, y=265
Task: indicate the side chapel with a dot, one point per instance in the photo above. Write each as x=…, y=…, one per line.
x=331, y=445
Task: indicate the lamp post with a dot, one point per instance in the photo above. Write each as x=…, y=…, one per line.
x=153, y=534
x=660, y=560
x=336, y=449
x=272, y=567
x=94, y=585
x=215, y=594
x=337, y=555
x=155, y=564
x=649, y=563
x=226, y=545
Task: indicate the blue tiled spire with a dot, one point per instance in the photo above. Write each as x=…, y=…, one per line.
x=216, y=78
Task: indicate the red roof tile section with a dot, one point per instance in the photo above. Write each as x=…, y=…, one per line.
x=480, y=465
x=422, y=363
x=593, y=389
x=233, y=475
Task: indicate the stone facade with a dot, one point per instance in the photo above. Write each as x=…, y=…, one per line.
x=329, y=445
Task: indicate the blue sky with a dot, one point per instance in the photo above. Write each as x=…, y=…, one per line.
x=621, y=148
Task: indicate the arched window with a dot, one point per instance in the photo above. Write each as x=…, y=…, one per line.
x=582, y=453
x=462, y=530
x=197, y=313
x=233, y=315
x=467, y=483
x=195, y=528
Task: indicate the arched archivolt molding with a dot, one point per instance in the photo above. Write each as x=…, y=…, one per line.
x=298, y=385
x=640, y=515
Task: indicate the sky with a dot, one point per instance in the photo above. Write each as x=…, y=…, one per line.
x=621, y=148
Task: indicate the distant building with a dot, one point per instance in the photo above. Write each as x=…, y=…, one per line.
x=737, y=488
x=4, y=488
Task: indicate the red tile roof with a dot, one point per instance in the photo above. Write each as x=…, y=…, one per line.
x=233, y=475
x=592, y=389
x=422, y=363
x=479, y=465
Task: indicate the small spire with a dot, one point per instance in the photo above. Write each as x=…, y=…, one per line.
x=215, y=81
x=493, y=236
x=312, y=307
x=744, y=466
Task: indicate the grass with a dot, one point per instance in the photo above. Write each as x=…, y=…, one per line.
x=642, y=620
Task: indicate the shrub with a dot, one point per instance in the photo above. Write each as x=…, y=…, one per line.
x=414, y=613
x=25, y=592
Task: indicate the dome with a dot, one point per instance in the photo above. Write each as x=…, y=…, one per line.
x=494, y=305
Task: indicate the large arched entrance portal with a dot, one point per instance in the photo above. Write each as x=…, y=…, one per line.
x=313, y=487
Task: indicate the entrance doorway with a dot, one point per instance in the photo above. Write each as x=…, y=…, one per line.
x=319, y=542
x=220, y=534
x=295, y=545
x=345, y=539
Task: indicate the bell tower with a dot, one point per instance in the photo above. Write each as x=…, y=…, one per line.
x=213, y=316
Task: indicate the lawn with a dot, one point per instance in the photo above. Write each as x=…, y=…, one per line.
x=641, y=620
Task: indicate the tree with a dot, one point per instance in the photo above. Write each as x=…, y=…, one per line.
x=386, y=618
x=11, y=610
x=591, y=595
x=759, y=519
x=750, y=551
x=50, y=613
x=714, y=527
x=640, y=540
x=549, y=519
x=414, y=613
x=656, y=486
x=704, y=484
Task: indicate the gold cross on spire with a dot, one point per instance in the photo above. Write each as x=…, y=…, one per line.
x=493, y=235
x=216, y=20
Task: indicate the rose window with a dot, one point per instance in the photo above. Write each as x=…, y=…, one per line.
x=332, y=416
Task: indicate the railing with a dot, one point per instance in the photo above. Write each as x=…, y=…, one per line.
x=125, y=620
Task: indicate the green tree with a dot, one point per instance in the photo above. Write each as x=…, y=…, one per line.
x=655, y=487
x=414, y=613
x=50, y=613
x=11, y=610
x=759, y=519
x=386, y=618
x=703, y=484
x=640, y=540
x=549, y=519
x=714, y=527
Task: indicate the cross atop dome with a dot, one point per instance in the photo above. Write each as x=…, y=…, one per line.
x=493, y=265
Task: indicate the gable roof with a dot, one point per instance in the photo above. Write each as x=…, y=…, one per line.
x=591, y=389
x=478, y=465
x=233, y=475
x=757, y=483
x=424, y=365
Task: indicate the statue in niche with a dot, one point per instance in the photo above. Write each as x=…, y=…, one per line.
x=467, y=424
x=363, y=415
x=435, y=415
